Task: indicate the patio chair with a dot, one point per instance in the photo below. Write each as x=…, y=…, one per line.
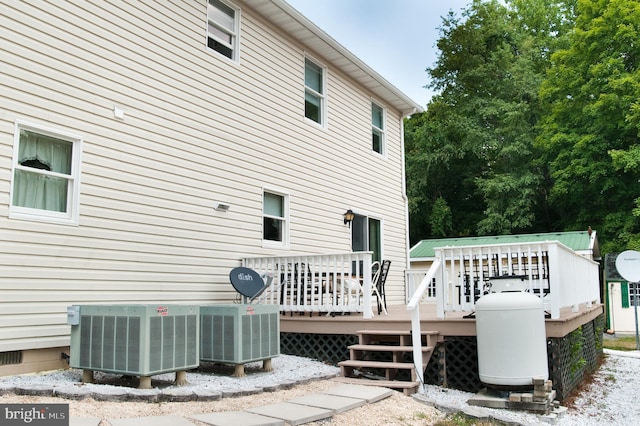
x=297, y=281
x=379, y=276
x=381, y=270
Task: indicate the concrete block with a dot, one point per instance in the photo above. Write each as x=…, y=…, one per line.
x=560, y=411
x=338, y=404
x=34, y=390
x=177, y=395
x=236, y=418
x=540, y=394
x=515, y=397
x=293, y=414
x=538, y=381
x=76, y=393
x=148, y=395
x=6, y=389
x=476, y=412
x=110, y=394
x=527, y=397
x=207, y=395
x=551, y=419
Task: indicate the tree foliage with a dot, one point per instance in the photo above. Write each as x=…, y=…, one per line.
x=473, y=149
x=589, y=133
x=536, y=125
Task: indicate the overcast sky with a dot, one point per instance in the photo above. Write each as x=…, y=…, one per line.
x=394, y=37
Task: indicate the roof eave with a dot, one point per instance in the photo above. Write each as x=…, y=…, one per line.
x=309, y=34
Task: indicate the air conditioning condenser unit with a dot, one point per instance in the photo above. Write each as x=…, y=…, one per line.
x=136, y=340
x=240, y=333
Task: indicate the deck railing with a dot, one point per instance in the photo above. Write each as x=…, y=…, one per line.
x=551, y=270
x=328, y=284
x=413, y=278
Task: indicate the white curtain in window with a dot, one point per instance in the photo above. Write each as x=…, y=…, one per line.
x=36, y=189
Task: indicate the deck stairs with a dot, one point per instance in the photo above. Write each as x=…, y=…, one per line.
x=385, y=358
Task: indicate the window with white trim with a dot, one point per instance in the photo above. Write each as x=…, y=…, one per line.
x=223, y=25
x=314, y=91
x=630, y=294
x=46, y=171
x=377, y=128
x=274, y=218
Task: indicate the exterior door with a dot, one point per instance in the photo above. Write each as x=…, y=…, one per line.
x=366, y=235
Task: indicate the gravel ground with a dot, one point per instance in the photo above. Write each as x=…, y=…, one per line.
x=611, y=397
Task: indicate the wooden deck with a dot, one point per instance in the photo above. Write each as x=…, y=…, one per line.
x=399, y=318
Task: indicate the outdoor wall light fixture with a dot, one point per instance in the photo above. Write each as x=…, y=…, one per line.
x=221, y=207
x=348, y=217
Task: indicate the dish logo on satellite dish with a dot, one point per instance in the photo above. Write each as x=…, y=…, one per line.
x=245, y=277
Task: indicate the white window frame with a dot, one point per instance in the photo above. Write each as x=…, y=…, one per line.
x=379, y=130
x=322, y=96
x=634, y=291
x=234, y=46
x=284, y=244
x=71, y=216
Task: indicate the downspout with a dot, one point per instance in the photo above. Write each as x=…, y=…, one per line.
x=404, y=193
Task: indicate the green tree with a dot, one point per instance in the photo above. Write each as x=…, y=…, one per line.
x=474, y=146
x=589, y=132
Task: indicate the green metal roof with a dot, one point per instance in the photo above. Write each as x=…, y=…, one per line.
x=575, y=240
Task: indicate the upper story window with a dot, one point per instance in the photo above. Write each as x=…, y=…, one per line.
x=46, y=169
x=377, y=128
x=274, y=219
x=314, y=92
x=223, y=28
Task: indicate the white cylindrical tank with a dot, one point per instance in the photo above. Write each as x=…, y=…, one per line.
x=512, y=341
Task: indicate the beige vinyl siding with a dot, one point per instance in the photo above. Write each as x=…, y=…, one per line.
x=198, y=128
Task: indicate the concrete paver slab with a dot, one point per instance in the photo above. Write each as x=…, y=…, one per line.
x=237, y=418
x=293, y=414
x=338, y=404
x=152, y=421
x=84, y=421
x=370, y=394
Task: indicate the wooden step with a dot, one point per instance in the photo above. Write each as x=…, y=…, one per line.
x=387, y=348
x=395, y=332
x=408, y=388
x=403, y=337
x=390, y=368
x=354, y=363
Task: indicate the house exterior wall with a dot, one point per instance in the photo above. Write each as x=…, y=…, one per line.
x=621, y=318
x=197, y=129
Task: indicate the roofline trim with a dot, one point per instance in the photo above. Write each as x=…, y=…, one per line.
x=412, y=106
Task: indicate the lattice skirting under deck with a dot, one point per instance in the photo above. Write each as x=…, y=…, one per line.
x=454, y=363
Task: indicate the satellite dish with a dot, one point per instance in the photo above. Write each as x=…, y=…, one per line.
x=628, y=265
x=247, y=282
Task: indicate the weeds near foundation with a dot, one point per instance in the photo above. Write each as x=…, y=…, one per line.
x=460, y=419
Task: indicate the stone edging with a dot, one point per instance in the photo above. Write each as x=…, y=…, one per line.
x=174, y=394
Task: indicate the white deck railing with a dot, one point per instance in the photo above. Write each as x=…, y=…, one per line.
x=330, y=284
x=413, y=278
x=551, y=270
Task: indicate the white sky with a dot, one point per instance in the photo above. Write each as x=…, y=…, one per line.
x=394, y=37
